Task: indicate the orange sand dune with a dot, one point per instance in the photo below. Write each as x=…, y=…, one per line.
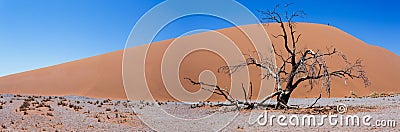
x=101, y=76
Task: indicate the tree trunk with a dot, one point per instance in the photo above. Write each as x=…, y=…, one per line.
x=283, y=98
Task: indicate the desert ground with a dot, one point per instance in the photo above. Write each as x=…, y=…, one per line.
x=75, y=113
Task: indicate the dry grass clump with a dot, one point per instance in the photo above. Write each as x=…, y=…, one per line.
x=374, y=95
x=75, y=107
x=25, y=106
x=108, y=109
x=30, y=98
x=1, y=105
x=107, y=101
x=62, y=103
x=31, y=104
x=46, y=99
x=49, y=114
x=383, y=94
x=353, y=94
x=42, y=105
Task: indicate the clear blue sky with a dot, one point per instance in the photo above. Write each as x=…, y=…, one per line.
x=39, y=33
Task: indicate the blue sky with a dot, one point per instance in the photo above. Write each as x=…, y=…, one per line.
x=40, y=33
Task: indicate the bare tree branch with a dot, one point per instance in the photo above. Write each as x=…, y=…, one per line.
x=315, y=101
x=221, y=91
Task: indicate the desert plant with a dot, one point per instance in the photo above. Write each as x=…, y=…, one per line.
x=71, y=106
x=383, y=94
x=77, y=108
x=374, y=95
x=46, y=100
x=353, y=94
x=62, y=103
x=49, y=114
x=30, y=98
x=25, y=106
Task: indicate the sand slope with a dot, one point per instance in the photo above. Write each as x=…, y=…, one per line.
x=101, y=76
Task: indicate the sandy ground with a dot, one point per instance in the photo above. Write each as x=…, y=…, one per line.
x=76, y=113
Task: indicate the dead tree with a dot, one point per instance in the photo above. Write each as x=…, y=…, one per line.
x=298, y=65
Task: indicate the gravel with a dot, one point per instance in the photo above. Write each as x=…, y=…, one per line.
x=93, y=114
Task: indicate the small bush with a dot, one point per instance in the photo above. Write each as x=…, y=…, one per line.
x=108, y=109
x=353, y=94
x=25, y=105
x=49, y=114
x=46, y=100
x=77, y=108
x=62, y=103
x=383, y=94
x=107, y=100
x=374, y=95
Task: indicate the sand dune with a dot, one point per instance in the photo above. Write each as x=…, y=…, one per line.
x=101, y=76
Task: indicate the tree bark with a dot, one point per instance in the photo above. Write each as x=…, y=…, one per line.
x=283, y=98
